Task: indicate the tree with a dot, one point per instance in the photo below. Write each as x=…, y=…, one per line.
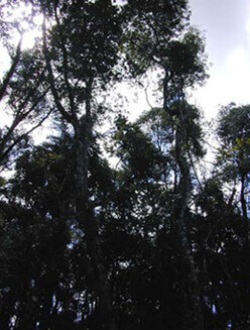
x=180, y=57
x=34, y=238
x=82, y=53
x=233, y=157
x=98, y=58
x=46, y=264
x=22, y=88
x=139, y=246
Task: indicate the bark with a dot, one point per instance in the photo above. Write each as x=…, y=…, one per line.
x=193, y=313
x=242, y=197
x=83, y=136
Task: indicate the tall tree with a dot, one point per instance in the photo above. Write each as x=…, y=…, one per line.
x=81, y=51
x=233, y=157
x=180, y=58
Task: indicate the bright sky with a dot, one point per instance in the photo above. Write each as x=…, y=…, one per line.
x=226, y=25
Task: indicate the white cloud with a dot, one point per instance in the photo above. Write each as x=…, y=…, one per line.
x=229, y=83
x=248, y=26
x=238, y=75
x=236, y=60
x=248, y=22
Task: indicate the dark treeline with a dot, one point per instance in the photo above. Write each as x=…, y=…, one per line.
x=148, y=243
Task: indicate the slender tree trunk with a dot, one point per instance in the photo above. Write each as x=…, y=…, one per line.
x=193, y=318
x=86, y=217
x=242, y=197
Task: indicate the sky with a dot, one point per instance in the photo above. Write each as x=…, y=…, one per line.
x=226, y=27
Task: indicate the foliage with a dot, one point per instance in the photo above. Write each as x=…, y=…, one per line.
x=233, y=157
x=142, y=245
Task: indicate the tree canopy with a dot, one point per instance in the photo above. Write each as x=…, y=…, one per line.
x=142, y=243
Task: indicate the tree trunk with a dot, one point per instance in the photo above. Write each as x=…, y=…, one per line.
x=242, y=197
x=193, y=318
x=86, y=217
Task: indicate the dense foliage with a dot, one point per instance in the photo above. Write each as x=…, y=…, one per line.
x=143, y=244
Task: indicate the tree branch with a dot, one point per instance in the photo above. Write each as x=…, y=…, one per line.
x=51, y=78
x=11, y=71
x=65, y=67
